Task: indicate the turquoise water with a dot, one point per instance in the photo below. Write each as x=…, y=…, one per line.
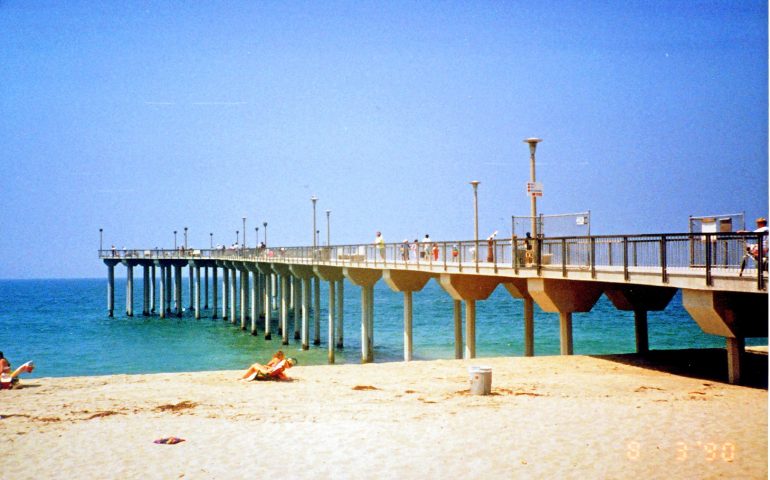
x=63, y=326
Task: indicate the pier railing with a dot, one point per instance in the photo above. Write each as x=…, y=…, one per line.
x=706, y=254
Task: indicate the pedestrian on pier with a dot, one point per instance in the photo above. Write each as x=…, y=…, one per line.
x=405, y=250
x=426, y=247
x=379, y=242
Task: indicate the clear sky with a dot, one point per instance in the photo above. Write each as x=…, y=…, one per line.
x=142, y=118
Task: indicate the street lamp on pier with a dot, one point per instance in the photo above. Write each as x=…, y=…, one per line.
x=185, y=238
x=244, y=232
x=237, y=237
x=100, y=240
x=475, y=184
x=174, y=239
x=314, y=199
x=328, y=243
x=533, y=199
x=211, y=241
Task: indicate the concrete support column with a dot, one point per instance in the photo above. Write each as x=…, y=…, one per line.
x=197, y=296
x=406, y=282
x=565, y=333
x=407, y=326
x=214, y=292
x=733, y=315
x=244, y=298
x=642, y=332
x=317, y=310
x=153, y=289
x=254, y=299
x=340, y=314
x=268, y=305
x=297, y=294
x=178, y=289
x=190, y=279
x=529, y=327
x=130, y=290
x=469, y=289
x=163, y=291
x=206, y=287
x=330, y=337
x=284, y=310
x=145, y=290
x=169, y=291
x=110, y=289
x=306, y=313
x=233, y=294
x=458, y=323
x=564, y=297
x=365, y=278
x=225, y=293
x=640, y=299
x=367, y=348
x=470, y=328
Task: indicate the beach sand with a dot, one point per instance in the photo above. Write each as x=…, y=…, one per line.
x=547, y=417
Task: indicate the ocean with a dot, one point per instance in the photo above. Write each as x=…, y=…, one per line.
x=63, y=326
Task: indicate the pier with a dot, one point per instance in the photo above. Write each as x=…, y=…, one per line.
x=725, y=293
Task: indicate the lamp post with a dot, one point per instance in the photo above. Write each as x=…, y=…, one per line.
x=328, y=243
x=533, y=199
x=211, y=241
x=256, y=235
x=244, y=232
x=475, y=184
x=185, y=238
x=100, y=239
x=264, y=224
x=314, y=199
x=174, y=239
x=237, y=237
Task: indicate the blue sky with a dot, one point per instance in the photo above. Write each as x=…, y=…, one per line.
x=142, y=118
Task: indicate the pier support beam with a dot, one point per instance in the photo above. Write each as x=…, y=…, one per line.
x=305, y=274
x=163, y=291
x=254, y=294
x=178, y=288
x=640, y=299
x=340, y=313
x=469, y=288
x=564, y=297
x=732, y=315
x=153, y=289
x=282, y=270
x=130, y=289
x=406, y=282
x=214, y=291
x=244, y=294
x=457, y=312
x=197, y=291
x=365, y=278
x=317, y=311
x=266, y=305
x=145, y=289
x=225, y=291
x=518, y=289
x=111, y=286
x=206, y=287
x=233, y=293
x=297, y=304
x=169, y=292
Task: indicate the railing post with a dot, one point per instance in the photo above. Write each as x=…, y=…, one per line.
x=707, y=247
x=514, y=255
x=592, y=254
x=663, y=260
x=563, y=257
x=625, y=258
x=760, y=262
x=444, y=249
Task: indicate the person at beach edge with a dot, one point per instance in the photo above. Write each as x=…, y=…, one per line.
x=12, y=377
x=273, y=370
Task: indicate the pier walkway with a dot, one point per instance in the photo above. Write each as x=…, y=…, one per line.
x=722, y=288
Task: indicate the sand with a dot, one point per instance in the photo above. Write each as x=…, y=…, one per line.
x=547, y=417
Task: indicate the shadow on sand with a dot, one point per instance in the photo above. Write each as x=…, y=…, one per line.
x=706, y=364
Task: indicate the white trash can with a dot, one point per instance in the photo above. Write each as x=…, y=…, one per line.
x=481, y=380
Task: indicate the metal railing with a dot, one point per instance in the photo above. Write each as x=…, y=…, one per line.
x=659, y=254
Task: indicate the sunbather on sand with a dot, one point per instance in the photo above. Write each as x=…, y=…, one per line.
x=274, y=370
x=12, y=377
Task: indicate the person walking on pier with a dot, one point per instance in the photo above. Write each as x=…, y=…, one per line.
x=379, y=242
